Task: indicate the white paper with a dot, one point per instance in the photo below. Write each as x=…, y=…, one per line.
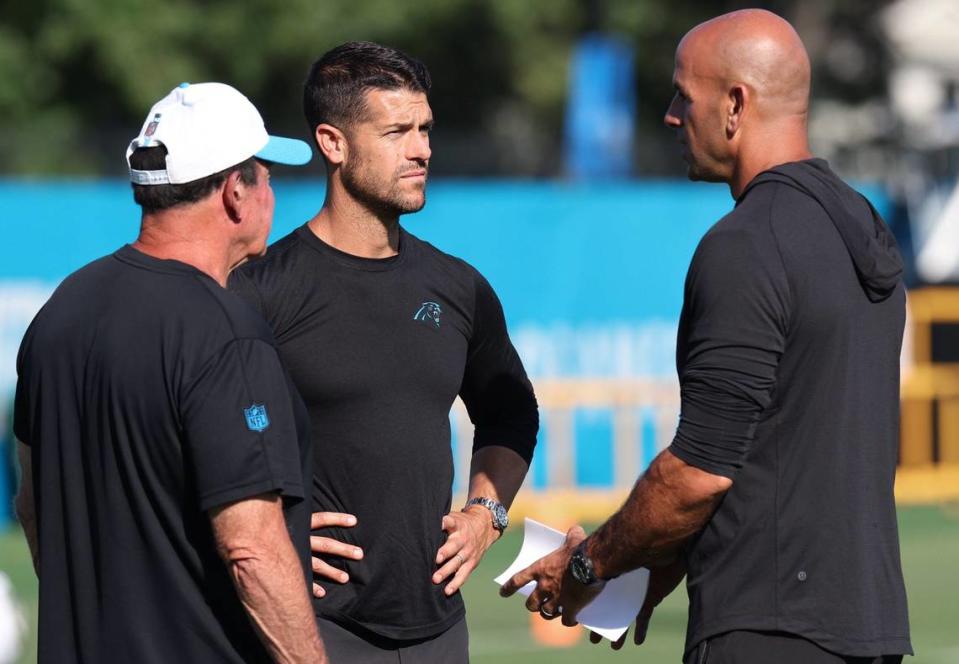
x=613, y=610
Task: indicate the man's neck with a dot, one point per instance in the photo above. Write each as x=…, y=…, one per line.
x=350, y=227
x=169, y=235
x=767, y=152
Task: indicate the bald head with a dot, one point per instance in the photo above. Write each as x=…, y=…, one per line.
x=756, y=48
x=742, y=97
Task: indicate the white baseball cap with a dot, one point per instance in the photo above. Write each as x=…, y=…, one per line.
x=206, y=128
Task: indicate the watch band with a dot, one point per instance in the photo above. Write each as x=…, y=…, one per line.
x=497, y=511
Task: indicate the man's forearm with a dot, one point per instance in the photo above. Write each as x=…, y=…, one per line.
x=669, y=503
x=25, y=505
x=496, y=472
x=254, y=543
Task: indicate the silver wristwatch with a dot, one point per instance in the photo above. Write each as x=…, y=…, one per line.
x=500, y=517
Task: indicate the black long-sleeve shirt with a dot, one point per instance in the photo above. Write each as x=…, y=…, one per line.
x=788, y=358
x=379, y=349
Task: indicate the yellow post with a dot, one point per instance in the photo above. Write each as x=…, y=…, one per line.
x=949, y=430
x=916, y=431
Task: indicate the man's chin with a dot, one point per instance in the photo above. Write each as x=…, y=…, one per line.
x=696, y=173
x=413, y=204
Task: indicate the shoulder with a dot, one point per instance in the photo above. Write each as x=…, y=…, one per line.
x=743, y=246
x=91, y=275
x=786, y=207
x=743, y=233
x=76, y=297
x=226, y=310
x=280, y=257
x=757, y=222
x=454, y=267
x=265, y=280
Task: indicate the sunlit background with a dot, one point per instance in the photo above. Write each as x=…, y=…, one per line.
x=552, y=174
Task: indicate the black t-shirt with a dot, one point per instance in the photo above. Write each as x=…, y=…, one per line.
x=148, y=395
x=788, y=357
x=379, y=349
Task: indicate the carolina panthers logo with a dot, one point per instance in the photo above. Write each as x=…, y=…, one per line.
x=429, y=312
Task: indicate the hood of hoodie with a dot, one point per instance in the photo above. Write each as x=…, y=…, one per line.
x=870, y=244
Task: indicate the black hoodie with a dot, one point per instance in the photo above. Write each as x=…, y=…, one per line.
x=788, y=359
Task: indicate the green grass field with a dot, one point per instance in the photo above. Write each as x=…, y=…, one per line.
x=499, y=629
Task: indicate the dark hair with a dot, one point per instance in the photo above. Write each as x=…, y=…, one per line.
x=156, y=197
x=335, y=89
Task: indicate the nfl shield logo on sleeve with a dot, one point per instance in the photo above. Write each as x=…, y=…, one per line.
x=256, y=418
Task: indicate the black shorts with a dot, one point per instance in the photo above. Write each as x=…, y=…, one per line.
x=744, y=647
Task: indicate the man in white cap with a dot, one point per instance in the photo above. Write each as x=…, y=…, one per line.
x=160, y=436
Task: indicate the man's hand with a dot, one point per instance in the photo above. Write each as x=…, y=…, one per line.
x=328, y=546
x=557, y=593
x=469, y=534
x=662, y=581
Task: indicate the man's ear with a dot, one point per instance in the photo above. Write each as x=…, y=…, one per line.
x=233, y=194
x=332, y=143
x=737, y=104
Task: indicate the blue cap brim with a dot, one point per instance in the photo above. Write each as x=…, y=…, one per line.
x=289, y=151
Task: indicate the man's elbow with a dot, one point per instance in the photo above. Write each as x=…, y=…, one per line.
x=248, y=547
x=713, y=485
x=697, y=484
x=247, y=559
x=247, y=531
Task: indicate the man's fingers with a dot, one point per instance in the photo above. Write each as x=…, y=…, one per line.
x=517, y=581
x=642, y=626
x=456, y=561
x=615, y=645
x=331, y=547
x=618, y=643
x=535, y=600
x=448, y=523
x=549, y=609
x=327, y=519
x=327, y=571
x=569, y=619
x=318, y=590
x=449, y=549
x=459, y=578
x=576, y=533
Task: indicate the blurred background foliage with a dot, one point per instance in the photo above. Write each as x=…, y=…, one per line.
x=79, y=75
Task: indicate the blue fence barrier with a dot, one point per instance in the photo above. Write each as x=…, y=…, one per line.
x=590, y=276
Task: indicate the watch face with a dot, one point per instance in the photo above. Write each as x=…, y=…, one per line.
x=501, y=517
x=577, y=567
x=581, y=568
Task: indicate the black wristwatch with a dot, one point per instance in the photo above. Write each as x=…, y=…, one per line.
x=581, y=567
x=498, y=512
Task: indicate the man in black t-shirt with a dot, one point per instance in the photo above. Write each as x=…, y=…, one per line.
x=162, y=444
x=775, y=499
x=380, y=332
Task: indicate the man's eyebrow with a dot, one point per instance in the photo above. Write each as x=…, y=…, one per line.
x=408, y=125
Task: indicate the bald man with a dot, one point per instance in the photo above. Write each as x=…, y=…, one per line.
x=775, y=499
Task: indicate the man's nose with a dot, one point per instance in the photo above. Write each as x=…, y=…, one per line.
x=672, y=118
x=420, y=148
